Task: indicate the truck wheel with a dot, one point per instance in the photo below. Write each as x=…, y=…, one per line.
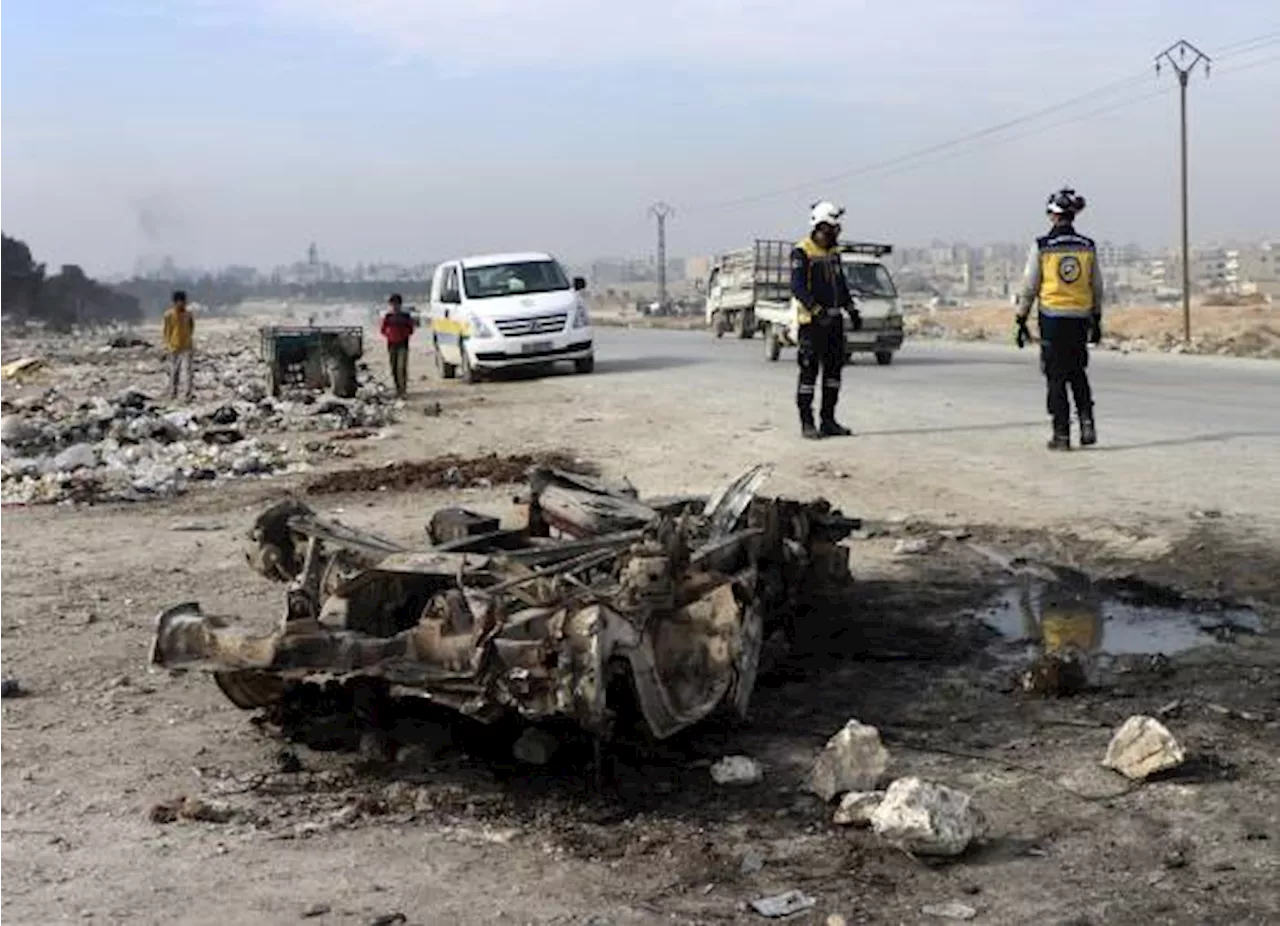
x=746, y=324
x=446, y=370
x=718, y=325
x=884, y=357
x=342, y=376
x=585, y=365
x=470, y=375
x=772, y=343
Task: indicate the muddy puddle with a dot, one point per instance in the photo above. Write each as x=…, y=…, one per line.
x=1090, y=621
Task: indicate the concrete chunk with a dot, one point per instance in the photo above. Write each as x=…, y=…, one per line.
x=853, y=760
x=856, y=808
x=737, y=770
x=1141, y=747
x=927, y=819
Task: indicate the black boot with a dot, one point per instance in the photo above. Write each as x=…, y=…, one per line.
x=1088, y=433
x=1061, y=440
x=830, y=428
x=807, y=428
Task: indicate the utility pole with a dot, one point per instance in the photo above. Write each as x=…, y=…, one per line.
x=1183, y=57
x=661, y=212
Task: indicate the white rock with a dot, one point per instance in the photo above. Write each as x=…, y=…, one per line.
x=77, y=456
x=853, y=760
x=737, y=770
x=1141, y=747
x=951, y=910
x=927, y=819
x=856, y=808
x=911, y=546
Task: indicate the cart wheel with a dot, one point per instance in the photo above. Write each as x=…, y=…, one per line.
x=446, y=370
x=342, y=376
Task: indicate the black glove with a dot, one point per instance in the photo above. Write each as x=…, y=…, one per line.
x=1095, y=329
x=1022, y=334
x=855, y=318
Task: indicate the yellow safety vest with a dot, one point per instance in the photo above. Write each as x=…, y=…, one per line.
x=1066, y=274
x=814, y=252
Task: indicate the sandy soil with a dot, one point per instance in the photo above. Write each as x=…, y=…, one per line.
x=468, y=836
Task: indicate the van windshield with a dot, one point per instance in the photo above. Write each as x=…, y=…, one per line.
x=540, y=276
x=869, y=280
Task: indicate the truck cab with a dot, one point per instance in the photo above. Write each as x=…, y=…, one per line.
x=497, y=311
x=876, y=299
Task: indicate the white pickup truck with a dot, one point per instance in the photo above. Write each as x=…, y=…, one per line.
x=749, y=290
x=496, y=311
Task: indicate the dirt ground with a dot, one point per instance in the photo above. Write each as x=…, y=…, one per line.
x=1238, y=331
x=460, y=833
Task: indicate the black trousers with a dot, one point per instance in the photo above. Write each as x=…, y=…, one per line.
x=398, y=356
x=1064, y=355
x=821, y=352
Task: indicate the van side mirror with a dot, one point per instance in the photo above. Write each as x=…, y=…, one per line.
x=579, y=283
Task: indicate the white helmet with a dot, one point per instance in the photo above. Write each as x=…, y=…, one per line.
x=825, y=213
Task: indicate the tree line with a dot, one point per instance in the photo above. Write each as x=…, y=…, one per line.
x=65, y=300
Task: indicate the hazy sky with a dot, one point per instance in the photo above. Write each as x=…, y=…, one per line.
x=236, y=131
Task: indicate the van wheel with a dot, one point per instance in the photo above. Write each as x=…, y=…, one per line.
x=772, y=343
x=585, y=365
x=718, y=325
x=469, y=374
x=884, y=357
x=446, y=370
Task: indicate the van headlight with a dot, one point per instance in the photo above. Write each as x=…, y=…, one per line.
x=580, y=317
x=479, y=328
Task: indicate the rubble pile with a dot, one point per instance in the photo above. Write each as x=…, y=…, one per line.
x=86, y=431
x=602, y=609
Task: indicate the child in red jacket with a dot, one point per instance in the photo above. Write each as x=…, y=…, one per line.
x=397, y=328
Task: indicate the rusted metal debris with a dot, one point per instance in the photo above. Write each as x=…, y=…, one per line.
x=601, y=606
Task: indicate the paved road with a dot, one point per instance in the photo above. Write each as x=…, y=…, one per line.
x=965, y=424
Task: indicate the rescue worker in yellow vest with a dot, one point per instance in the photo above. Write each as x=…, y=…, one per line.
x=1063, y=277
x=820, y=297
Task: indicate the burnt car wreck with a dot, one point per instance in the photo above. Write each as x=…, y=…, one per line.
x=600, y=607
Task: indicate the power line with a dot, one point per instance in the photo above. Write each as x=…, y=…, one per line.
x=878, y=168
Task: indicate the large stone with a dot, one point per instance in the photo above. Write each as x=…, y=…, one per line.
x=14, y=429
x=77, y=456
x=856, y=808
x=927, y=819
x=1141, y=747
x=853, y=760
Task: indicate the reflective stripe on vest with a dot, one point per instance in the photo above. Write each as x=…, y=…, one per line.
x=1066, y=276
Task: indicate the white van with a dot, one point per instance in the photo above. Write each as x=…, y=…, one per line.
x=497, y=311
